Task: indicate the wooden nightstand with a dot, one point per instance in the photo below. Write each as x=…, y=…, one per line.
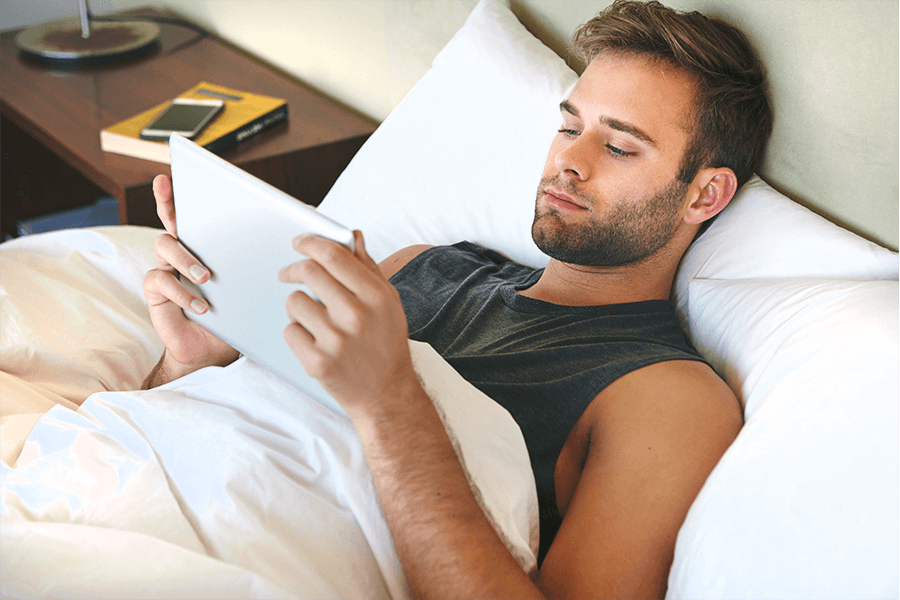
x=51, y=122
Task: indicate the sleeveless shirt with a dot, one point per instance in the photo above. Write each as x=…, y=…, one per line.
x=543, y=362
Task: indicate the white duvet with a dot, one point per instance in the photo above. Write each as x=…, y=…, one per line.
x=225, y=484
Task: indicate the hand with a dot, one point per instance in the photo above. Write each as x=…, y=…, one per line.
x=188, y=346
x=354, y=339
x=355, y=343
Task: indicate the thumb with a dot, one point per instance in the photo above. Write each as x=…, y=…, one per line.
x=360, y=250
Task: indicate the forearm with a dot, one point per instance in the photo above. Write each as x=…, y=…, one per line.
x=354, y=342
x=445, y=543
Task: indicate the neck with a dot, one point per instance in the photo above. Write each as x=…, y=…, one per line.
x=577, y=285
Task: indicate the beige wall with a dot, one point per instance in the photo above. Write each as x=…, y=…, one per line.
x=833, y=66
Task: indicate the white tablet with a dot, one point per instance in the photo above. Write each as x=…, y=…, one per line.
x=241, y=228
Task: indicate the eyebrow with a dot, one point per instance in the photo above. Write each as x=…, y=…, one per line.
x=612, y=123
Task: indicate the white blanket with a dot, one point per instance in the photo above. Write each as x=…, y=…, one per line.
x=227, y=483
x=231, y=484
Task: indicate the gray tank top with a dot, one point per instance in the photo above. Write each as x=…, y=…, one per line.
x=543, y=362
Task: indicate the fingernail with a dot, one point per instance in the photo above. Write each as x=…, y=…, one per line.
x=198, y=306
x=198, y=272
x=299, y=239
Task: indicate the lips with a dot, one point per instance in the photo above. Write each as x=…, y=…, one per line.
x=561, y=201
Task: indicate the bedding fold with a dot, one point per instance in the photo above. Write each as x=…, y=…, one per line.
x=230, y=483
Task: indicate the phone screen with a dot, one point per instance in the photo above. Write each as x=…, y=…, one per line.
x=182, y=117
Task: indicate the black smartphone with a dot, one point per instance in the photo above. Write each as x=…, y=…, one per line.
x=184, y=116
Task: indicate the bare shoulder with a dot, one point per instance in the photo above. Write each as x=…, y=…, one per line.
x=651, y=438
x=666, y=397
x=690, y=381
x=400, y=258
x=681, y=408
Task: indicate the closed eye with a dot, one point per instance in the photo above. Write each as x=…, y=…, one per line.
x=618, y=152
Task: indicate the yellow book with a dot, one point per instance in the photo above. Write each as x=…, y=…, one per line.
x=244, y=115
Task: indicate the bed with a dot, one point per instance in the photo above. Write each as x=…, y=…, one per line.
x=230, y=484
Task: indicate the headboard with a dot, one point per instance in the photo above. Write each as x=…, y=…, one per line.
x=833, y=68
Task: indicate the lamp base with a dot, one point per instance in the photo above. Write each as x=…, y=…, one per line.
x=59, y=42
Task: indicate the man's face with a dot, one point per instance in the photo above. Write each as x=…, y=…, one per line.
x=609, y=194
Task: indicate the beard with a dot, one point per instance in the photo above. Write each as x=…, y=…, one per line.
x=632, y=230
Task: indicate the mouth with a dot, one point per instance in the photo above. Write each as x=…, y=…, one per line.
x=561, y=201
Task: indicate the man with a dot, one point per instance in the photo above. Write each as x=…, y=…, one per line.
x=623, y=421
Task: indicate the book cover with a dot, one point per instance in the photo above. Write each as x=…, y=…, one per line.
x=244, y=116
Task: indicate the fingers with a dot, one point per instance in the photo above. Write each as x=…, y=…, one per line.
x=319, y=280
x=338, y=312
x=349, y=287
x=300, y=341
x=361, y=253
x=165, y=203
x=172, y=254
x=354, y=341
x=311, y=316
x=338, y=266
x=162, y=286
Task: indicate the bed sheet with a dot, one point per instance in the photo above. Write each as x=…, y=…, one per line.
x=228, y=483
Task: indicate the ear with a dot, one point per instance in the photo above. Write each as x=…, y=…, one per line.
x=713, y=190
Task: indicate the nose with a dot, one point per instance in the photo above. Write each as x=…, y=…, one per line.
x=574, y=159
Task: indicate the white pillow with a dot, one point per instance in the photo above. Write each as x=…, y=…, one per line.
x=805, y=502
x=763, y=234
x=461, y=156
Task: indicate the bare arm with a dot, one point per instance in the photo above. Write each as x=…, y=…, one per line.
x=654, y=437
x=445, y=543
x=398, y=260
x=643, y=468
x=355, y=343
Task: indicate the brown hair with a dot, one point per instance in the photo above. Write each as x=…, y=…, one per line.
x=733, y=117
